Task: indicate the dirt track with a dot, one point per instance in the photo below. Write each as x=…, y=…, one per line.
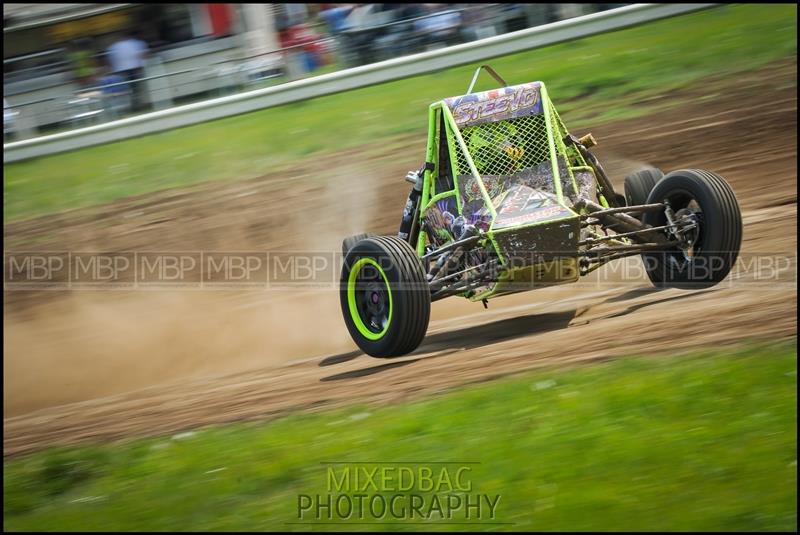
x=105, y=365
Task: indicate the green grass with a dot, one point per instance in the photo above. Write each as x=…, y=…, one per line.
x=600, y=77
x=705, y=441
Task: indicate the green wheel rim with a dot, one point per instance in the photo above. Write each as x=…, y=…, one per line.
x=365, y=331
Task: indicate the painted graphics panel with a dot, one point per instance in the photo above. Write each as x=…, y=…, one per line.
x=438, y=221
x=444, y=222
x=496, y=105
x=523, y=205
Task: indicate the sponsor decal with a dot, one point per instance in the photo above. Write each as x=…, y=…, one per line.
x=496, y=105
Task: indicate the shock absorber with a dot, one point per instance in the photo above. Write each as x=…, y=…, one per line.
x=412, y=204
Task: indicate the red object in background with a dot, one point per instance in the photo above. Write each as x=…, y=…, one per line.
x=220, y=16
x=300, y=34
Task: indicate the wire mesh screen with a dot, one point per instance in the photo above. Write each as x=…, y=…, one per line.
x=510, y=152
x=505, y=147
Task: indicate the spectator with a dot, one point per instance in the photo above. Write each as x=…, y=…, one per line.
x=81, y=60
x=477, y=23
x=335, y=16
x=126, y=58
x=361, y=32
x=305, y=57
x=439, y=26
x=115, y=92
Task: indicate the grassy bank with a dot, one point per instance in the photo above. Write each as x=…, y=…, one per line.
x=705, y=441
x=597, y=78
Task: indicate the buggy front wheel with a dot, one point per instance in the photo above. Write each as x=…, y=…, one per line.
x=707, y=251
x=384, y=296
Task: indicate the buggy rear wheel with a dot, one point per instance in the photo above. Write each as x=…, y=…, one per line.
x=639, y=185
x=350, y=241
x=384, y=295
x=707, y=252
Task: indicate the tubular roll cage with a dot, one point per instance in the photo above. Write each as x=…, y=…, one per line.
x=454, y=137
x=593, y=252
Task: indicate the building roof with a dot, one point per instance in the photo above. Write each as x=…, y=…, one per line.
x=22, y=16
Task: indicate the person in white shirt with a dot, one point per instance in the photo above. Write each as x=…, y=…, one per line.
x=126, y=57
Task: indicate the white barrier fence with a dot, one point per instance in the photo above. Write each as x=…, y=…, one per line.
x=344, y=80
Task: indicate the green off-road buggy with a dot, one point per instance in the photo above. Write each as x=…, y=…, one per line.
x=507, y=201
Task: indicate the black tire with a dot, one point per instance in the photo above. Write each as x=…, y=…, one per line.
x=718, y=237
x=392, y=322
x=639, y=185
x=350, y=241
